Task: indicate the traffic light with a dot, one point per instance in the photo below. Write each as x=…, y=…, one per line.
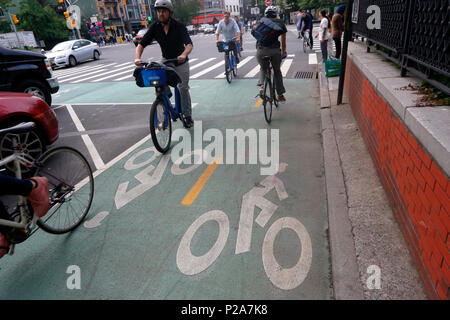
x=143, y=7
x=149, y=18
x=124, y=2
x=14, y=18
x=60, y=1
x=66, y=14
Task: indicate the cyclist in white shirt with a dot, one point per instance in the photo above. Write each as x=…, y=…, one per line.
x=323, y=34
x=230, y=31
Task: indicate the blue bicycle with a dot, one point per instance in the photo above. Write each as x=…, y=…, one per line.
x=162, y=112
x=230, y=59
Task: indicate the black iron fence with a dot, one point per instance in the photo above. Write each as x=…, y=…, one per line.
x=414, y=33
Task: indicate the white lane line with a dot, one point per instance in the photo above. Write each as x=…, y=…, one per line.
x=83, y=75
x=99, y=75
x=253, y=72
x=285, y=66
x=100, y=66
x=243, y=62
x=115, y=75
x=201, y=63
x=98, y=162
x=291, y=55
x=217, y=65
x=114, y=161
x=192, y=60
x=312, y=58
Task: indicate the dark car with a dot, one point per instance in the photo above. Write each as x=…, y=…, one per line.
x=20, y=107
x=28, y=72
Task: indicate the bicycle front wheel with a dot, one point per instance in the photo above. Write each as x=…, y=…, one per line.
x=305, y=44
x=227, y=68
x=71, y=189
x=267, y=100
x=160, y=126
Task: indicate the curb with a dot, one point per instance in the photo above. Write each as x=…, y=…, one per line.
x=345, y=272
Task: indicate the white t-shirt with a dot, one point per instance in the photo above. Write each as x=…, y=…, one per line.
x=323, y=26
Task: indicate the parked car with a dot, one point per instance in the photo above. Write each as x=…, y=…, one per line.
x=70, y=53
x=202, y=27
x=27, y=71
x=138, y=37
x=191, y=30
x=21, y=107
x=209, y=29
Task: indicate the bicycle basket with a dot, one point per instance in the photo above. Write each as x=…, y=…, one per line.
x=153, y=77
x=221, y=46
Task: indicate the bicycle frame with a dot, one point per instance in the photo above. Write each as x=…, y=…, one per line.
x=168, y=107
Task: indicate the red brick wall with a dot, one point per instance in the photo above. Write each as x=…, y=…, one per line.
x=418, y=188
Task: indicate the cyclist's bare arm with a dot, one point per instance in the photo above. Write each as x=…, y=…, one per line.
x=139, y=50
x=186, y=52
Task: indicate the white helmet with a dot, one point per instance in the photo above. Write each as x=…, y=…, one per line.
x=271, y=10
x=167, y=4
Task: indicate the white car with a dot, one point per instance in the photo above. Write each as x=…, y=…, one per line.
x=70, y=53
x=209, y=29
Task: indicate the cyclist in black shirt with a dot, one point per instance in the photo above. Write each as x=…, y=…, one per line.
x=175, y=43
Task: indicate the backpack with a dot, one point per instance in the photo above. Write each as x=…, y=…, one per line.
x=266, y=32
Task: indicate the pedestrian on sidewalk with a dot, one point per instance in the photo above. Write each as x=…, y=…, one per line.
x=338, y=28
x=330, y=43
x=323, y=34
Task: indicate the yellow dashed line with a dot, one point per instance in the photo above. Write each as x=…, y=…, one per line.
x=198, y=186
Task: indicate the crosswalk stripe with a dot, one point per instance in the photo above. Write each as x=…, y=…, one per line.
x=312, y=58
x=69, y=71
x=77, y=73
x=83, y=75
x=285, y=66
x=114, y=75
x=99, y=75
x=201, y=63
x=243, y=62
x=207, y=70
x=253, y=72
x=126, y=77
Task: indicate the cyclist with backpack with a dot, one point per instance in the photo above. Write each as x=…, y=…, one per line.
x=266, y=33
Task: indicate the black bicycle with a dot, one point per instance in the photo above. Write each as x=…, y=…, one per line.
x=269, y=92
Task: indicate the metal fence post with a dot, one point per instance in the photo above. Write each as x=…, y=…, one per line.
x=347, y=35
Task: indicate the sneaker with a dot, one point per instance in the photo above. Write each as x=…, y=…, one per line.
x=281, y=98
x=189, y=122
x=38, y=196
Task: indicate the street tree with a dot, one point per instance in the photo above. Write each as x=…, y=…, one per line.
x=185, y=10
x=44, y=22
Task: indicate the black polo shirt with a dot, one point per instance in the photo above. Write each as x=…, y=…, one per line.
x=173, y=43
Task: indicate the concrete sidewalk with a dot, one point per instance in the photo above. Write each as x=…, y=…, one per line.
x=364, y=234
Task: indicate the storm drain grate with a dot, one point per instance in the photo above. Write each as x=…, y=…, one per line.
x=304, y=75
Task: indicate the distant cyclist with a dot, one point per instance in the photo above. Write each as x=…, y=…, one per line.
x=175, y=43
x=267, y=32
x=230, y=30
x=241, y=29
x=307, y=25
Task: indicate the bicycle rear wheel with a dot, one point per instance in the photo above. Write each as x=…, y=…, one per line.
x=160, y=126
x=274, y=93
x=267, y=101
x=71, y=189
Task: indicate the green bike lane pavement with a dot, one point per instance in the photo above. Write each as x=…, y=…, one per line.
x=245, y=236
